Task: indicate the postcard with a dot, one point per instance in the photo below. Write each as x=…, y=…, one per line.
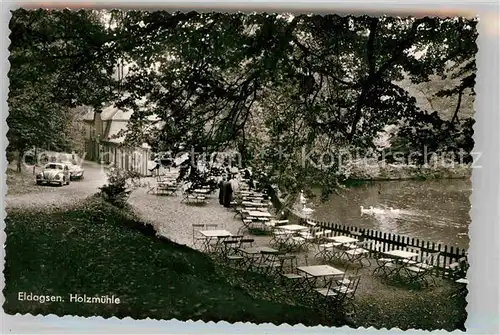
x=242, y=167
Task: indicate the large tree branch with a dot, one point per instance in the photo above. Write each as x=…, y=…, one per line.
x=307, y=50
x=370, y=80
x=459, y=102
x=375, y=76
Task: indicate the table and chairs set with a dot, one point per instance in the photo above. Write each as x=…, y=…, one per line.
x=165, y=185
x=324, y=284
x=196, y=196
x=407, y=266
x=329, y=286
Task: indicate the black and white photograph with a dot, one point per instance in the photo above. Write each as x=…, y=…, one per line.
x=261, y=167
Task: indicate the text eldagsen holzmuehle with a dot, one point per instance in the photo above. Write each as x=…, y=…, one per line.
x=74, y=298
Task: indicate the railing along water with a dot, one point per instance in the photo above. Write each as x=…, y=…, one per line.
x=382, y=242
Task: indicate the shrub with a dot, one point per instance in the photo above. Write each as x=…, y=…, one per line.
x=120, y=184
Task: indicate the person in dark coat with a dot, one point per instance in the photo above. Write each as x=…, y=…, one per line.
x=228, y=193
x=221, y=192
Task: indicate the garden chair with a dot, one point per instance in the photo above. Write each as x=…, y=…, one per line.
x=230, y=252
x=246, y=242
x=198, y=239
x=289, y=273
x=356, y=253
x=279, y=238
x=458, y=269
x=418, y=273
x=347, y=292
x=269, y=263
x=388, y=267
x=327, y=295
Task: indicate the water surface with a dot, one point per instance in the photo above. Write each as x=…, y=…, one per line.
x=435, y=211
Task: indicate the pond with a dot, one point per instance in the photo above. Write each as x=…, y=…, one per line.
x=435, y=211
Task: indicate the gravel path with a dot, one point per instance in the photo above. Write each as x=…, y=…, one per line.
x=58, y=196
x=174, y=219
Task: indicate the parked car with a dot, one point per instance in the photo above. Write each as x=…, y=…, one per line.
x=54, y=173
x=75, y=170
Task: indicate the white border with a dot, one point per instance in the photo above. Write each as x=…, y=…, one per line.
x=484, y=251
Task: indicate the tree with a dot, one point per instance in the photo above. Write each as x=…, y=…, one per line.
x=59, y=59
x=322, y=81
x=262, y=82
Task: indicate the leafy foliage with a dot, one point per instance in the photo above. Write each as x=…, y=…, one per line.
x=267, y=85
x=59, y=59
x=271, y=85
x=120, y=184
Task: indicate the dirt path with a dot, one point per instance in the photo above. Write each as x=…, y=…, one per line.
x=58, y=196
x=174, y=219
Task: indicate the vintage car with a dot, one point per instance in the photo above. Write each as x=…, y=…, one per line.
x=75, y=170
x=54, y=173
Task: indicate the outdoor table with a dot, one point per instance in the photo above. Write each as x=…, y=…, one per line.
x=253, y=204
x=201, y=191
x=257, y=250
x=214, y=234
x=398, y=255
x=314, y=272
x=290, y=240
x=293, y=227
x=401, y=254
x=343, y=239
x=260, y=214
x=252, y=198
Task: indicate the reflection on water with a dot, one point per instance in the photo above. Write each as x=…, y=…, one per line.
x=434, y=211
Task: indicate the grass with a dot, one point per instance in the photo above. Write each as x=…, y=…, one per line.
x=97, y=249
x=20, y=182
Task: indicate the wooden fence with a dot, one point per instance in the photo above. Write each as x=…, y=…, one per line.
x=382, y=242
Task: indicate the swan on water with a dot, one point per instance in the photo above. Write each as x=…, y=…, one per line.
x=307, y=210
x=394, y=210
x=372, y=211
x=302, y=199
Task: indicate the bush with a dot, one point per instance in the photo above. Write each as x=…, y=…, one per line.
x=120, y=184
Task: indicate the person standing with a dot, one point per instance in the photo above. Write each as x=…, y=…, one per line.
x=221, y=191
x=228, y=193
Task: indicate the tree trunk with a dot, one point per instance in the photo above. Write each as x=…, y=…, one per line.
x=20, y=159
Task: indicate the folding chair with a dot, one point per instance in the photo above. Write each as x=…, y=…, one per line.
x=458, y=269
x=198, y=238
x=347, y=292
x=356, y=254
x=269, y=263
x=230, y=251
x=327, y=295
x=246, y=242
x=418, y=273
x=387, y=266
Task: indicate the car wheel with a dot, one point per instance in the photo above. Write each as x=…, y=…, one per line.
x=39, y=182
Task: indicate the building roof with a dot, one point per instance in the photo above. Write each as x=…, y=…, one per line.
x=113, y=113
x=115, y=127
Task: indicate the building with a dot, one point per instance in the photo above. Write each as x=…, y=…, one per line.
x=104, y=144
